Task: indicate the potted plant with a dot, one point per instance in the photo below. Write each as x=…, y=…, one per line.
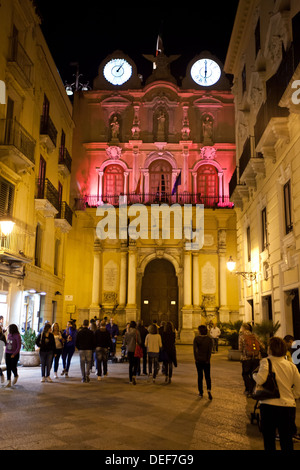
x=230, y=332
x=29, y=356
x=265, y=330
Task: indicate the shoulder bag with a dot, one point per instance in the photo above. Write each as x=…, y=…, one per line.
x=269, y=389
x=138, y=352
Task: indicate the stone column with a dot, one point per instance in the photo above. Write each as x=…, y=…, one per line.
x=222, y=275
x=196, y=286
x=100, y=186
x=131, y=306
x=187, y=334
x=95, y=307
x=123, y=278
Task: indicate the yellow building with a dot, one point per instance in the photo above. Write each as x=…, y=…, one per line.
x=36, y=129
x=263, y=57
x=144, y=145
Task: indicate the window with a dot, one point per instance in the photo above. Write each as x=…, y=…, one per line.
x=287, y=207
x=264, y=229
x=7, y=191
x=248, y=244
x=160, y=180
x=257, y=38
x=113, y=183
x=208, y=185
x=38, y=246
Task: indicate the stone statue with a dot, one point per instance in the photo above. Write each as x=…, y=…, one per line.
x=207, y=129
x=115, y=128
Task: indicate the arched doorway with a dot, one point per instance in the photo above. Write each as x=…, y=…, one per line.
x=159, y=293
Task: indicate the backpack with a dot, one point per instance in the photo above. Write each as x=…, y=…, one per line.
x=252, y=347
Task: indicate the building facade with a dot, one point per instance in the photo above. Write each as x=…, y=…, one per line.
x=36, y=129
x=139, y=147
x=263, y=57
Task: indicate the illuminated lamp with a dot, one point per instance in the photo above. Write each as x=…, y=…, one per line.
x=249, y=276
x=6, y=226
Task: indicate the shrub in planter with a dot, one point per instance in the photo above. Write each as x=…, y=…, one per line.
x=29, y=356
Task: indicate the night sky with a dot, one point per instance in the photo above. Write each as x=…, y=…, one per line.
x=88, y=31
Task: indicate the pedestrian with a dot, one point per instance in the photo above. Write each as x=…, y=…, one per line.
x=93, y=327
x=69, y=335
x=250, y=347
x=278, y=413
x=289, y=340
x=102, y=345
x=12, y=353
x=214, y=333
x=85, y=343
x=46, y=342
x=2, y=347
x=168, y=350
x=113, y=330
x=202, y=346
x=59, y=344
x=131, y=338
x=143, y=332
x=153, y=344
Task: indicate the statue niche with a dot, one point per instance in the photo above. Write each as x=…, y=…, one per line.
x=114, y=128
x=207, y=129
x=160, y=125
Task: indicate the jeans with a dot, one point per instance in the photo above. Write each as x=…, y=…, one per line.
x=46, y=362
x=11, y=365
x=168, y=366
x=281, y=418
x=57, y=354
x=153, y=359
x=67, y=356
x=203, y=367
x=85, y=362
x=133, y=365
x=101, y=356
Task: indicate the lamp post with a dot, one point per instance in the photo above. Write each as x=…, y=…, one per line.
x=6, y=227
x=249, y=276
x=77, y=85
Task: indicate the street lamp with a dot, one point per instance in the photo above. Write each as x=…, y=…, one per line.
x=6, y=226
x=249, y=276
x=77, y=85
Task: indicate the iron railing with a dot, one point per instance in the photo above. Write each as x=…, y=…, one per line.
x=19, y=56
x=48, y=128
x=65, y=212
x=13, y=133
x=46, y=190
x=65, y=158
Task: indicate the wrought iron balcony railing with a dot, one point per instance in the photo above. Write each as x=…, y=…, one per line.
x=13, y=133
x=209, y=202
x=46, y=190
x=65, y=212
x=19, y=56
x=48, y=128
x=65, y=158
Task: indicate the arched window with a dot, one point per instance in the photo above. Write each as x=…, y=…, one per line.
x=160, y=172
x=207, y=185
x=113, y=184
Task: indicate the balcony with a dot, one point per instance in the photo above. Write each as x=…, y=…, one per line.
x=157, y=198
x=16, y=250
x=19, y=65
x=251, y=164
x=46, y=198
x=237, y=190
x=48, y=133
x=63, y=219
x=16, y=144
x=64, y=161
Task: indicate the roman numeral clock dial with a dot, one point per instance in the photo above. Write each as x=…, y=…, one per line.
x=205, y=72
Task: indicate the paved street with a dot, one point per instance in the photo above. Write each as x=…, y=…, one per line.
x=114, y=415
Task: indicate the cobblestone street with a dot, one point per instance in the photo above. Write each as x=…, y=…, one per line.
x=111, y=414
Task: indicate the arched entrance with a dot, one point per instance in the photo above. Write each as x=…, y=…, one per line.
x=159, y=293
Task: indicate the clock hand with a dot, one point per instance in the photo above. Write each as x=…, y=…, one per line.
x=120, y=67
x=205, y=68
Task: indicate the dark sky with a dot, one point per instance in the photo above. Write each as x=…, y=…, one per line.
x=88, y=31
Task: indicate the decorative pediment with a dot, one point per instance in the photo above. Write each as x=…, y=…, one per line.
x=207, y=101
x=115, y=104
x=278, y=35
x=256, y=94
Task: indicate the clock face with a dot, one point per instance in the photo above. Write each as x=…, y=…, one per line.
x=117, y=71
x=205, y=72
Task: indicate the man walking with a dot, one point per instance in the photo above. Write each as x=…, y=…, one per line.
x=85, y=343
x=203, y=345
x=215, y=334
x=250, y=347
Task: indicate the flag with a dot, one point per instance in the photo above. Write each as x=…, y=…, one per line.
x=177, y=183
x=159, y=45
x=138, y=186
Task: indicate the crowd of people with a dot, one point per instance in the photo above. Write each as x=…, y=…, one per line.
x=145, y=348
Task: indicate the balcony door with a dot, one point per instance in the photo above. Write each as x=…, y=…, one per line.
x=208, y=185
x=160, y=173
x=113, y=184
x=42, y=178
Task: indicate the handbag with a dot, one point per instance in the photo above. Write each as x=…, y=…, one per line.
x=269, y=389
x=138, y=352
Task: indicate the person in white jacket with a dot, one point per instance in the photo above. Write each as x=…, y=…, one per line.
x=278, y=413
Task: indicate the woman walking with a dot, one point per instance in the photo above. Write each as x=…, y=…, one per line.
x=12, y=353
x=102, y=344
x=153, y=344
x=46, y=342
x=131, y=338
x=69, y=335
x=168, y=350
x=279, y=413
x=2, y=347
x=59, y=344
